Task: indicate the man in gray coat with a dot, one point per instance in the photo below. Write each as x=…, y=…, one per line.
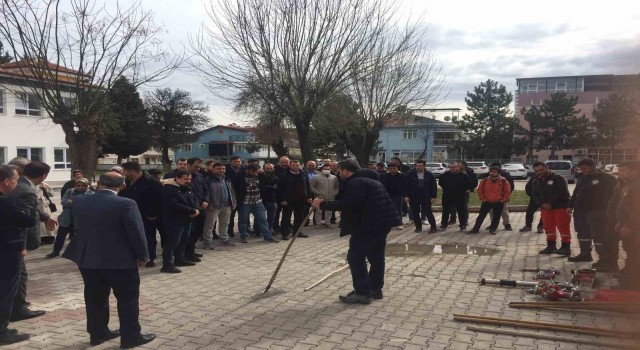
x=109, y=246
x=24, y=198
x=326, y=186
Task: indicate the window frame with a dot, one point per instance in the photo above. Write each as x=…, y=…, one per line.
x=3, y=104
x=29, y=153
x=28, y=111
x=66, y=159
x=409, y=134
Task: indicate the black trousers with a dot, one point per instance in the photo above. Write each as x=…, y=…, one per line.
x=61, y=236
x=485, y=208
x=422, y=205
x=20, y=300
x=297, y=208
x=126, y=288
x=459, y=205
x=531, y=210
x=362, y=247
x=150, y=228
x=197, y=227
x=453, y=212
x=11, y=265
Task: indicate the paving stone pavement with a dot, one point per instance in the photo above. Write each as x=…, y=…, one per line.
x=209, y=306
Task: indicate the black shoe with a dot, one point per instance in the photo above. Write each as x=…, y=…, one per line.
x=376, y=295
x=492, y=231
x=550, y=249
x=11, y=337
x=332, y=221
x=463, y=227
x=26, y=314
x=353, y=298
x=170, y=269
x=110, y=335
x=271, y=240
x=432, y=231
x=184, y=263
x=526, y=229
x=565, y=249
x=443, y=227
x=302, y=235
x=142, y=339
x=473, y=231
x=231, y=234
x=451, y=222
x=215, y=236
x=52, y=255
x=193, y=259
x=581, y=257
x=285, y=238
x=508, y=228
x=198, y=255
x=150, y=263
x=418, y=230
x=540, y=229
x=243, y=240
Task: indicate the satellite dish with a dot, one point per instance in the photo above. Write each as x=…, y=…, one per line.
x=447, y=119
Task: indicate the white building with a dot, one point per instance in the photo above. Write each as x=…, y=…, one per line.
x=26, y=129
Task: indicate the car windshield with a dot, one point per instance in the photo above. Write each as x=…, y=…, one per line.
x=513, y=166
x=559, y=165
x=434, y=165
x=475, y=164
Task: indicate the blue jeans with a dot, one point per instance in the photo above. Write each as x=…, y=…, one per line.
x=177, y=237
x=272, y=207
x=260, y=219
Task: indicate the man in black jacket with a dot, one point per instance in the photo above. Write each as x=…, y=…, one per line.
x=421, y=191
x=368, y=214
x=13, y=223
x=463, y=168
x=180, y=205
x=234, y=170
x=455, y=189
x=147, y=193
x=293, y=194
x=403, y=168
x=393, y=182
x=201, y=190
x=505, y=208
x=181, y=164
x=531, y=209
x=589, y=207
x=269, y=192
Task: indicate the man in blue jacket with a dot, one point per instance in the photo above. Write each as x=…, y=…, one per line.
x=108, y=248
x=368, y=214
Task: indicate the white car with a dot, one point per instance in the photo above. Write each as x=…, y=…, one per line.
x=437, y=169
x=517, y=171
x=478, y=167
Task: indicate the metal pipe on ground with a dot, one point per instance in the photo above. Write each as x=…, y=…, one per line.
x=554, y=337
x=546, y=326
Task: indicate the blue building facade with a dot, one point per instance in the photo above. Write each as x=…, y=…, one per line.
x=418, y=137
x=221, y=142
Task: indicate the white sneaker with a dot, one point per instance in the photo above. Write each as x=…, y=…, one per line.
x=401, y=227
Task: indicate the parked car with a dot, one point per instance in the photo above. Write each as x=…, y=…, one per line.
x=564, y=168
x=517, y=171
x=437, y=168
x=478, y=167
x=530, y=171
x=609, y=168
x=614, y=170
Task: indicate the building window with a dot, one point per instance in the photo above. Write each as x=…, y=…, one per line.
x=240, y=149
x=27, y=104
x=1, y=101
x=3, y=155
x=61, y=158
x=185, y=148
x=409, y=134
x=32, y=153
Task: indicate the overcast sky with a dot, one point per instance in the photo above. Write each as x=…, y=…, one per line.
x=472, y=40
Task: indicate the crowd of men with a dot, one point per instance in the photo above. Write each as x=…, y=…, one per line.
x=199, y=201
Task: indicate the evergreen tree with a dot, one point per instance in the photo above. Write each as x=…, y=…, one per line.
x=490, y=127
x=559, y=125
x=130, y=132
x=614, y=118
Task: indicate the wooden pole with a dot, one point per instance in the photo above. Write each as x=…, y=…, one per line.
x=327, y=276
x=546, y=326
x=554, y=337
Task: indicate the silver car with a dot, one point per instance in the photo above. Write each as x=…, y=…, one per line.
x=564, y=168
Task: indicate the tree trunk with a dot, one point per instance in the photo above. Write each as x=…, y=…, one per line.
x=303, y=140
x=166, y=162
x=83, y=152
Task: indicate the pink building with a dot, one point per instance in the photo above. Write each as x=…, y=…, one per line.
x=590, y=89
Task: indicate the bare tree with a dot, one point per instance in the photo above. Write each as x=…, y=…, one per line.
x=72, y=52
x=400, y=71
x=296, y=52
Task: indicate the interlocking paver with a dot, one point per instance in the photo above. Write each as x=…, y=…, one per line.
x=209, y=306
